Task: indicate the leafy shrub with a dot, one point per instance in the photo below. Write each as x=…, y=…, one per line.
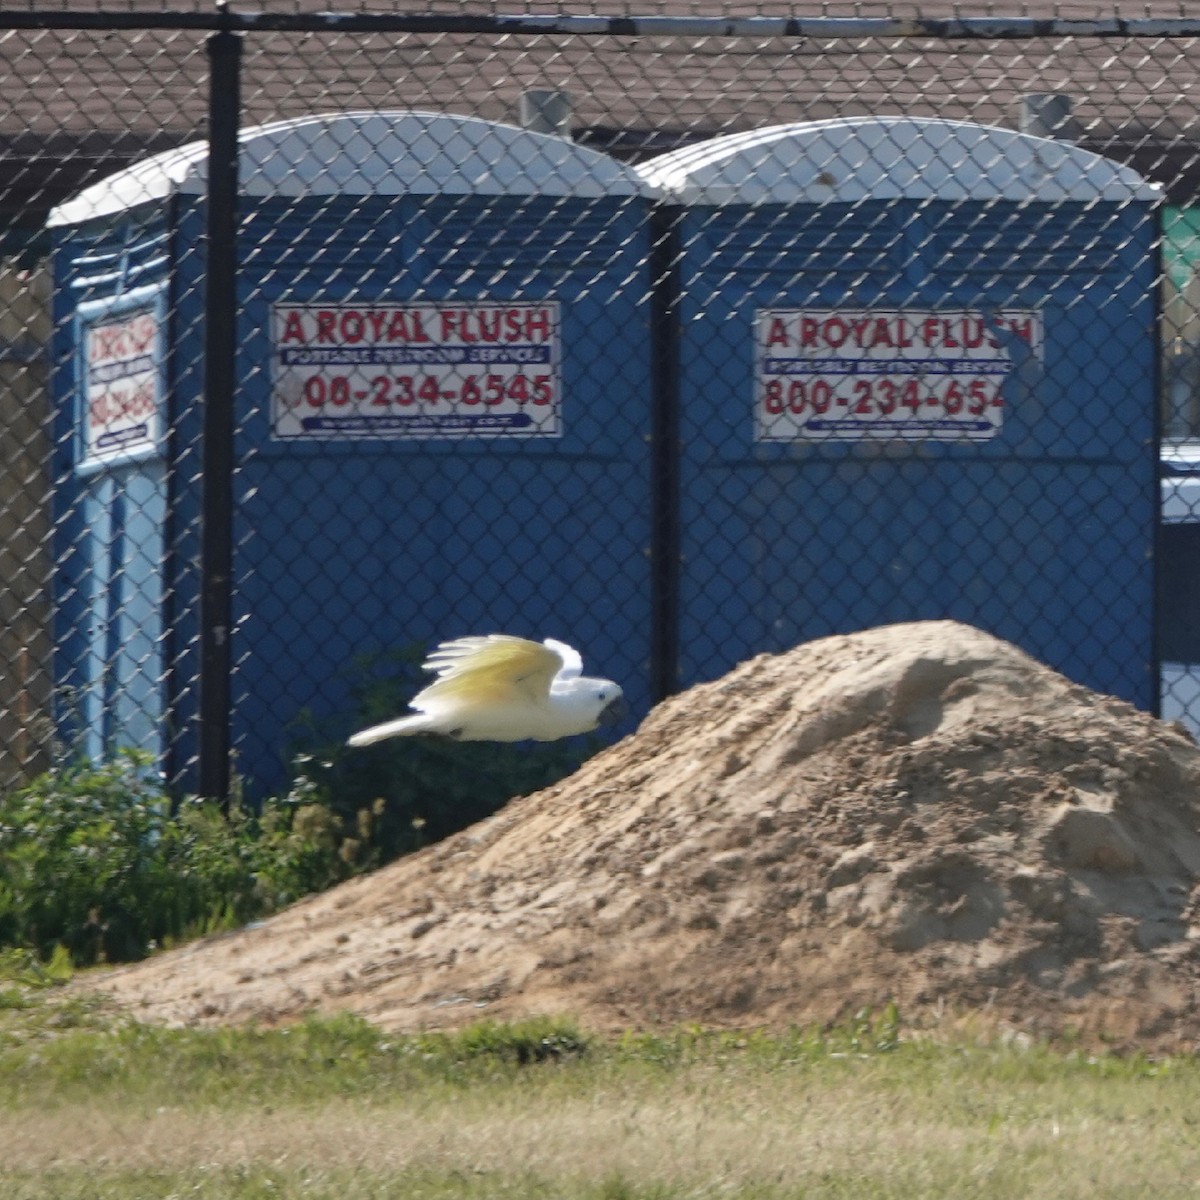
x=25, y=969
x=100, y=860
x=540, y=1039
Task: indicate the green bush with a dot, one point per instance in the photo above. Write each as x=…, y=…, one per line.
x=100, y=860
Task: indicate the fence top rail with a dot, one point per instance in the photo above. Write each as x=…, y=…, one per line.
x=985, y=28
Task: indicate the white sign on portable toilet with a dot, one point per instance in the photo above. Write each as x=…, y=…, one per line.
x=446, y=369
x=885, y=373
x=120, y=377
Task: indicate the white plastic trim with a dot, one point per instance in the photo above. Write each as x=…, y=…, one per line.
x=887, y=158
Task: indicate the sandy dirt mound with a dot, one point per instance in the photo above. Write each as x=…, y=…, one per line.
x=918, y=812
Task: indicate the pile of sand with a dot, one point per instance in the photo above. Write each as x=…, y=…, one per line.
x=919, y=812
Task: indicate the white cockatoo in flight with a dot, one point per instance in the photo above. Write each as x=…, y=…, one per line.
x=504, y=689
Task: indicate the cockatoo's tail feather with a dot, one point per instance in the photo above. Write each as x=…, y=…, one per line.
x=420, y=723
x=505, y=689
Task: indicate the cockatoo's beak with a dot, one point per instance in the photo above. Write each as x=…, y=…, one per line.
x=614, y=711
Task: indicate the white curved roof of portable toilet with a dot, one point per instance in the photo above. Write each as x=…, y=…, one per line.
x=370, y=153
x=884, y=158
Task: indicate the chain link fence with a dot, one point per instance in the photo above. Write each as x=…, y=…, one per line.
x=680, y=336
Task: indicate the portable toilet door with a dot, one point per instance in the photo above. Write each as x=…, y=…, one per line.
x=442, y=413
x=917, y=365
x=111, y=495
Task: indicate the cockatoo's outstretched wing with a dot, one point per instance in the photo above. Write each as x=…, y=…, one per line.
x=497, y=669
x=505, y=689
x=572, y=663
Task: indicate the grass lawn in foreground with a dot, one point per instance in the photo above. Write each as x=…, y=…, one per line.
x=95, y=1107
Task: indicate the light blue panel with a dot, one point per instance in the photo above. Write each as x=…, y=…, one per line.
x=136, y=700
x=96, y=587
x=122, y=701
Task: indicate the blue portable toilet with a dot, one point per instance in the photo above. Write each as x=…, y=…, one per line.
x=442, y=321
x=917, y=380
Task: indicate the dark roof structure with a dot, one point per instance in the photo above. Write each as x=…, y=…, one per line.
x=80, y=102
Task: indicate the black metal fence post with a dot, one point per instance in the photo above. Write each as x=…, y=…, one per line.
x=220, y=347
x=1157, y=558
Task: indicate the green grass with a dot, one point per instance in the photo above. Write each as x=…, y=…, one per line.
x=96, y=1107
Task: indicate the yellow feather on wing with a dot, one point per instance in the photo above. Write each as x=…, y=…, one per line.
x=498, y=669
